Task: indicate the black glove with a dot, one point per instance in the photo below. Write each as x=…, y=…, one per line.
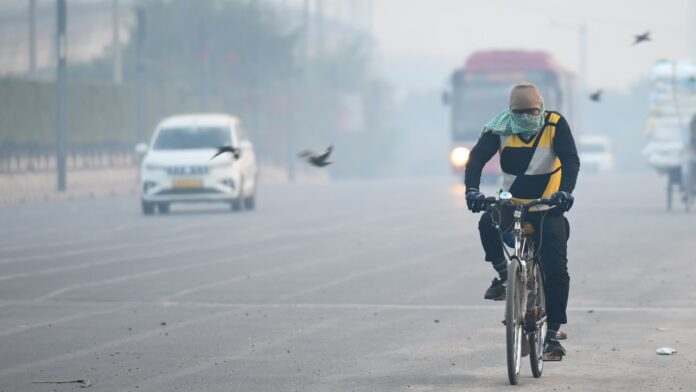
x=475, y=200
x=563, y=200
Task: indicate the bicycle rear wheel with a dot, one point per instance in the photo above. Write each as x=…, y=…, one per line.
x=536, y=336
x=513, y=321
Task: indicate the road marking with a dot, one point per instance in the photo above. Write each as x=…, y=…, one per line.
x=420, y=307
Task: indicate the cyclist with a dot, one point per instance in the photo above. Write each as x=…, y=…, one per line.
x=538, y=159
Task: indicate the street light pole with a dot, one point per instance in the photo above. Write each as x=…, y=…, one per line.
x=582, y=33
x=140, y=74
x=118, y=62
x=32, y=38
x=61, y=117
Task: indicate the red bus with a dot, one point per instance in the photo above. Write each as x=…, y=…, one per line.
x=480, y=89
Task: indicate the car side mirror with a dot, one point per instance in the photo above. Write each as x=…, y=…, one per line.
x=140, y=151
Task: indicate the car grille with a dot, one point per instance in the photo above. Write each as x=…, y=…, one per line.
x=201, y=191
x=176, y=171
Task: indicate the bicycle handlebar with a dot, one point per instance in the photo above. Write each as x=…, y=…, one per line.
x=493, y=200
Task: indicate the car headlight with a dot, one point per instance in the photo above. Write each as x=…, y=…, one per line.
x=459, y=156
x=154, y=167
x=221, y=164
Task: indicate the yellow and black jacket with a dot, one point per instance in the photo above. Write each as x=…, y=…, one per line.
x=536, y=168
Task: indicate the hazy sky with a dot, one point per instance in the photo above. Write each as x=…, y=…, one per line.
x=421, y=41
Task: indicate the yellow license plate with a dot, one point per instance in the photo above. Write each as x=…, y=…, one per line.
x=188, y=184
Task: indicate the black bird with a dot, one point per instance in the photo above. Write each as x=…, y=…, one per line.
x=596, y=96
x=642, y=37
x=224, y=149
x=316, y=160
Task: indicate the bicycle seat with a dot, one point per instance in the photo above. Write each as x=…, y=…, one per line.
x=527, y=229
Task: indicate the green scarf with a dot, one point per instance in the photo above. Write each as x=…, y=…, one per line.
x=508, y=123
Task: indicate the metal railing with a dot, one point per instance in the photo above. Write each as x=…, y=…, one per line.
x=28, y=159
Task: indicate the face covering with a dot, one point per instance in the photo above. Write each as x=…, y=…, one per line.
x=507, y=123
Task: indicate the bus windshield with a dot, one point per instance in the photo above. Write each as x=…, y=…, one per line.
x=478, y=98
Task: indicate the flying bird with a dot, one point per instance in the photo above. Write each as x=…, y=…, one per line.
x=642, y=37
x=233, y=150
x=316, y=160
x=596, y=96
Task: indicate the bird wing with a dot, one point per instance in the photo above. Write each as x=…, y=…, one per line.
x=305, y=154
x=222, y=150
x=325, y=155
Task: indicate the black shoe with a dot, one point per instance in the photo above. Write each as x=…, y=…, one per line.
x=497, y=290
x=553, y=351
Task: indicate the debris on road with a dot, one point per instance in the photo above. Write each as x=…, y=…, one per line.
x=437, y=321
x=163, y=323
x=590, y=311
x=665, y=351
x=81, y=383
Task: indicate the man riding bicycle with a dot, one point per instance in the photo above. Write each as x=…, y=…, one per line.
x=538, y=159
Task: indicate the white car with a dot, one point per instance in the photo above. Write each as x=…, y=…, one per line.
x=177, y=165
x=595, y=154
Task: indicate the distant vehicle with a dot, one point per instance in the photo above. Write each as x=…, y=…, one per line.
x=177, y=165
x=480, y=89
x=596, y=154
x=669, y=146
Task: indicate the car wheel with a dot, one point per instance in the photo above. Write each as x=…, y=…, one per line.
x=250, y=202
x=163, y=208
x=148, y=208
x=237, y=203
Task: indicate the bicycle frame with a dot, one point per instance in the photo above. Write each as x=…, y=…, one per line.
x=524, y=320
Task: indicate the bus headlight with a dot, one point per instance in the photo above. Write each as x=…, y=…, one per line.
x=459, y=156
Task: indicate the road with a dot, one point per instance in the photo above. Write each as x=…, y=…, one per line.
x=344, y=286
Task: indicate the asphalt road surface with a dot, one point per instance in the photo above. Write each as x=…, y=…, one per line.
x=344, y=286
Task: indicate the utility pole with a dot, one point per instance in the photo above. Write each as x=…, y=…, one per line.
x=141, y=92
x=116, y=43
x=61, y=115
x=582, y=57
x=691, y=41
x=319, y=17
x=32, y=38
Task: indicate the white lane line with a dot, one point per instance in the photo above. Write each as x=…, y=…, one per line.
x=167, y=299
x=62, y=320
x=97, y=249
x=419, y=307
x=318, y=261
x=190, y=290
x=111, y=344
x=161, y=271
x=370, y=271
x=269, y=271
x=112, y=260
x=269, y=344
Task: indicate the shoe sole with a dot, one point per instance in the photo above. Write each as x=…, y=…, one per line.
x=500, y=298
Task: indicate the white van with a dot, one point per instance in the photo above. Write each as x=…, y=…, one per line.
x=595, y=154
x=177, y=164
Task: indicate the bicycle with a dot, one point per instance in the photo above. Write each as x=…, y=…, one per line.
x=525, y=289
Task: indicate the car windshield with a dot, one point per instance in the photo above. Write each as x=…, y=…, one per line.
x=189, y=138
x=592, y=148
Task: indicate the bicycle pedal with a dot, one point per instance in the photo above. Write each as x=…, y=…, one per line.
x=551, y=357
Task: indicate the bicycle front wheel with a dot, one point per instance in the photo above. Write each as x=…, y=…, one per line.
x=513, y=321
x=536, y=338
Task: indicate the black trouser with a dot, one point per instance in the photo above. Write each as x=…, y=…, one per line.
x=553, y=255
